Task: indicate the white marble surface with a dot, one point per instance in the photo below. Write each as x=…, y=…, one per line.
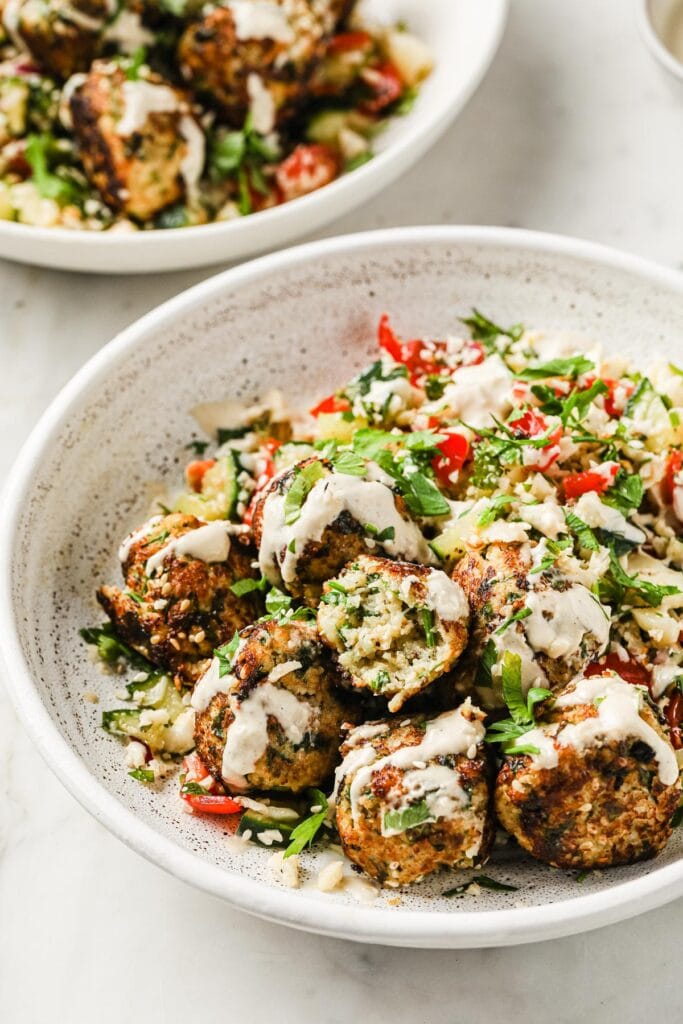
x=575, y=130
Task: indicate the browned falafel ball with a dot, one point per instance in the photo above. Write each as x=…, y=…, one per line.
x=603, y=786
x=139, y=142
x=555, y=625
x=310, y=521
x=416, y=796
x=257, y=56
x=62, y=35
x=394, y=627
x=178, y=606
x=273, y=720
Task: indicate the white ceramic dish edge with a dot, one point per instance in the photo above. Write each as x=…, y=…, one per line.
x=420, y=928
x=184, y=248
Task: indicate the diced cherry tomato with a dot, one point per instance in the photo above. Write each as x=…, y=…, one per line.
x=194, y=769
x=386, y=85
x=212, y=803
x=194, y=472
x=577, y=484
x=388, y=340
x=267, y=474
x=613, y=407
x=632, y=671
x=534, y=424
x=674, y=465
x=331, y=404
x=454, y=451
x=307, y=168
x=674, y=716
x=347, y=41
x=422, y=358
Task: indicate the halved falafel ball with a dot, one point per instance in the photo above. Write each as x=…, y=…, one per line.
x=603, y=787
x=256, y=55
x=62, y=35
x=415, y=797
x=178, y=606
x=555, y=625
x=394, y=627
x=310, y=521
x=273, y=720
x=140, y=145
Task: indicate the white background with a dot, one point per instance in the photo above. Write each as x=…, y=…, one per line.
x=575, y=130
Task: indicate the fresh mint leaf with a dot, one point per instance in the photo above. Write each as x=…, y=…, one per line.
x=581, y=530
x=110, y=648
x=572, y=367
x=408, y=817
x=304, y=480
x=496, y=508
x=247, y=586
x=226, y=655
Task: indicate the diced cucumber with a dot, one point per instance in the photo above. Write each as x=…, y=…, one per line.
x=326, y=125
x=646, y=414
x=257, y=823
x=218, y=496
x=333, y=425
x=153, y=695
x=450, y=545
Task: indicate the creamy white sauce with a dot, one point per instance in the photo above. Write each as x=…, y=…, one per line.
x=560, y=619
x=618, y=718
x=662, y=677
x=440, y=788
x=137, y=535
x=597, y=515
x=367, y=501
x=449, y=733
x=210, y=685
x=283, y=669
x=478, y=392
x=68, y=89
x=192, y=164
x=446, y=597
x=128, y=32
x=386, y=396
x=261, y=104
x=513, y=639
x=261, y=19
x=247, y=738
x=140, y=99
x=210, y=543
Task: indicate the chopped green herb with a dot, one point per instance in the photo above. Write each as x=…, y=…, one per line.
x=488, y=332
x=581, y=530
x=572, y=367
x=652, y=593
x=242, y=587
x=388, y=533
x=198, y=447
x=133, y=65
x=304, y=480
x=357, y=161
x=495, y=509
x=306, y=831
x=626, y=493
x=142, y=774
x=409, y=817
x=226, y=655
x=381, y=680
x=111, y=649
x=427, y=621
x=523, y=613
x=484, y=882
x=194, y=788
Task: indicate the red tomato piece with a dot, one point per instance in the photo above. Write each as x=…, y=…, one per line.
x=674, y=716
x=631, y=671
x=212, y=803
x=331, y=404
x=534, y=424
x=577, y=484
x=194, y=472
x=385, y=84
x=454, y=451
x=674, y=465
x=348, y=41
x=307, y=168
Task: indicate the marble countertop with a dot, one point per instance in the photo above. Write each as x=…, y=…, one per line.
x=575, y=130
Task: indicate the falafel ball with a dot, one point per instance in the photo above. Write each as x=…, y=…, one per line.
x=415, y=797
x=394, y=627
x=555, y=625
x=140, y=145
x=257, y=56
x=62, y=35
x=309, y=521
x=603, y=787
x=273, y=719
x=178, y=606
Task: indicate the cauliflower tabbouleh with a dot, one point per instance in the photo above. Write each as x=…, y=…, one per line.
x=132, y=114
x=447, y=599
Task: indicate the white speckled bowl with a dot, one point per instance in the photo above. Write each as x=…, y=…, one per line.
x=302, y=320
x=463, y=36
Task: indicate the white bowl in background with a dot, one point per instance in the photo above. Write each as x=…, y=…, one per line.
x=463, y=35
x=302, y=320
x=658, y=20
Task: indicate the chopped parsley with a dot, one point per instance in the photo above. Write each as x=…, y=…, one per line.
x=573, y=367
x=522, y=717
x=388, y=533
x=651, y=593
x=488, y=333
x=226, y=655
x=303, y=483
x=496, y=508
x=306, y=831
x=110, y=648
x=581, y=531
x=246, y=586
x=518, y=616
x=427, y=622
x=142, y=774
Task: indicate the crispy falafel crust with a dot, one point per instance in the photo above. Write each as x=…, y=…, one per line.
x=600, y=807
